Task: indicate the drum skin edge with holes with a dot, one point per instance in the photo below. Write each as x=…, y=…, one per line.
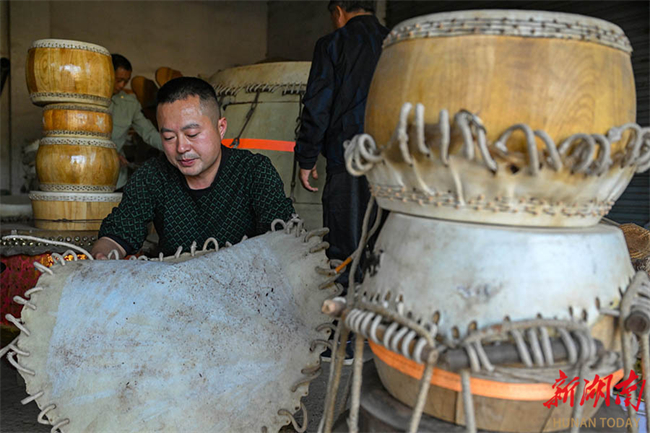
x=218, y=342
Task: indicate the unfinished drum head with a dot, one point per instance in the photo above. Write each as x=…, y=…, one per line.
x=473, y=275
x=218, y=342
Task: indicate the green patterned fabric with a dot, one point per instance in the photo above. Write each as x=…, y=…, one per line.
x=245, y=197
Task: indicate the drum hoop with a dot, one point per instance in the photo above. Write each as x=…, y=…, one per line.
x=69, y=44
x=50, y=97
x=527, y=24
x=70, y=133
x=71, y=141
x=114, y=197
x=483, y=387
x=62, y=187
x=75, y=107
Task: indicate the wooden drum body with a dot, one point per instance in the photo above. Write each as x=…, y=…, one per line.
x=271, y=93
x=69, y=120
x=77, y=165
x=69, y=71
x=465, y=279
x=507, y=117
x=72, y=211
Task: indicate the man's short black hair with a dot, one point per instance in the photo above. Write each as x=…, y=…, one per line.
x=352, y=5
x=119, y=61
x=182, y=88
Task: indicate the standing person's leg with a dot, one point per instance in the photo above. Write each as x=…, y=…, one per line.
x=345, y=199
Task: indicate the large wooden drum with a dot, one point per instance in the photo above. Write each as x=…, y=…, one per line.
x=70, y=120
x=60, y=70
x=262, y=105
x=561, y=73
x=70, y=210
x=539, y=125
x=77, y=164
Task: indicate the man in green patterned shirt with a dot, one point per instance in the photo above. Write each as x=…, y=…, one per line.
x=198, y=189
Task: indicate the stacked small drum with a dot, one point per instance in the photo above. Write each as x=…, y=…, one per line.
x=498, y=140
x=77, y=164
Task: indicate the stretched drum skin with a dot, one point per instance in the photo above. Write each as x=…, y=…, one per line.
x=217, y=342
x=504, y=117
x=59, y=70
x=262, y=105
x=68, y=164
x=70, y=120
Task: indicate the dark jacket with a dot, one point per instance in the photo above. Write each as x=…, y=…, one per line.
x=337, y=90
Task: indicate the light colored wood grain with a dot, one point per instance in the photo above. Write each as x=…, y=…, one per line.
x=61, y=164
x=73, y=120
x=69, y=75
x=560, y=86
x=70, y=215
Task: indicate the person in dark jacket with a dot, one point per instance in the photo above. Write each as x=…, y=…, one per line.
x=334, y=108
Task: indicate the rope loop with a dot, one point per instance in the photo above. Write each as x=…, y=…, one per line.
x=207, y=242
x=299, y=429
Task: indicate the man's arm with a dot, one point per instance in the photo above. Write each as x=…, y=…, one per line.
x=103, y=248
x=315, y=118
x=126, y=226
x=267, y=195
x=145, y=129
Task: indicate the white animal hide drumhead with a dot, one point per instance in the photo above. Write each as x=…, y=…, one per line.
x=214, y=343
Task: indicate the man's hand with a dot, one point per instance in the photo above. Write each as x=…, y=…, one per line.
x=103, y=248
x=304, y=178
x=123, y=161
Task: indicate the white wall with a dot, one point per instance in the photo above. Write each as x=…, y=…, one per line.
x=192, y=37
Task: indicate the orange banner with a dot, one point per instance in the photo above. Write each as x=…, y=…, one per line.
x=260, y=144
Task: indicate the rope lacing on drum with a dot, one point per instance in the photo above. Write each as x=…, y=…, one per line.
x=577, y=152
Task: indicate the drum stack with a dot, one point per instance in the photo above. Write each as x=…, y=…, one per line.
x=498, y=140
x=77, y=164
x=262, y=103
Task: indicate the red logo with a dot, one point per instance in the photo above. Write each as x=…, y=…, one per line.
x=595, y=390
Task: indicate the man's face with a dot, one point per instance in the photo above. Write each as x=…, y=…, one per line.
x=122, y=77
x=191, y=141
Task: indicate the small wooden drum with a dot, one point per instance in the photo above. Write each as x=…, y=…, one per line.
x=60, y=70
x=72, y=210
x=69, y=120
x=77, y=164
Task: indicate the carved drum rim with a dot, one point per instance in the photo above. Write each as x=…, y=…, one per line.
x=527, y=24
x=114, y=197
x=77, y=141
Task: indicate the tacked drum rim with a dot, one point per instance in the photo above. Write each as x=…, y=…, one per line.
x=112, y=197
x=80, y=141
x=527, y=24
x=229, y=82
x=69, y=44
x=80, y=134
x=39, y=98
x=77, y=107
x=71, y=187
